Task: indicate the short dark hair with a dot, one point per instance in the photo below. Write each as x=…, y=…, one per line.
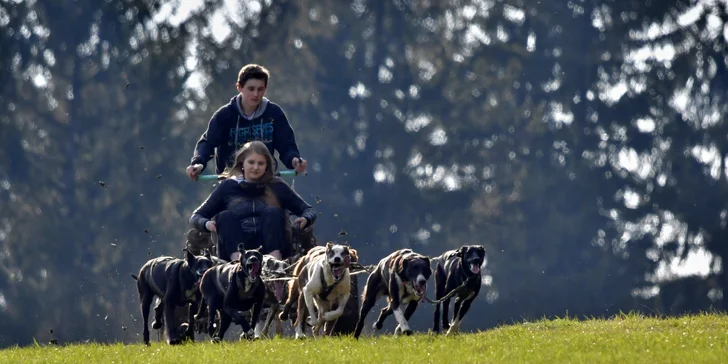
x=253, y=71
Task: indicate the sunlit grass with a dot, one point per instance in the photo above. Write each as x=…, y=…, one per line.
x=623, y=339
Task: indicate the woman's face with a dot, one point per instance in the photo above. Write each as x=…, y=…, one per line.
x=254, y=167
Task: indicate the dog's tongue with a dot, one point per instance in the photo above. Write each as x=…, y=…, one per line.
x=254, y=268
x=475, y=268
x=278, y=290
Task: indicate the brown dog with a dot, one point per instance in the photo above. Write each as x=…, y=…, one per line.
x=401, y=276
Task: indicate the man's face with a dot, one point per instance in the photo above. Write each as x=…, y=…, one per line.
x=253, y=91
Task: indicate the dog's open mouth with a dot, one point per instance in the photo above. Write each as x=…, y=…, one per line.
x=337, y=270
x=253, y=270
x=419, y=289
x=474, y=268
x=278, y=290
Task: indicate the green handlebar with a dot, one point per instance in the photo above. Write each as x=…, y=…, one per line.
x=214, y=177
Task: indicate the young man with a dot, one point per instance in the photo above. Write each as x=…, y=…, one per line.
x=249, y=116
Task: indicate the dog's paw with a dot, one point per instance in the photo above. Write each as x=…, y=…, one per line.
x=249, y=335
x=408, y=332
x=311, y=321
x=300, y=336
x=377, y=326
x=216, y=340
x=175, y=341
x=157, y=324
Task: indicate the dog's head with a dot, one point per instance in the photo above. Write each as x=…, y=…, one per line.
x=472, y=257
x=251, y=260
x=275, y=268
x=414, y=269
x=198, y=264
x=338, y=258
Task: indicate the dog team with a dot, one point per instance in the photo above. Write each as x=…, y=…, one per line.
x=309, y=293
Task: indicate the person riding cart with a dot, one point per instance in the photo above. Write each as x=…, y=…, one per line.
x=248, y=116
x=250, y=205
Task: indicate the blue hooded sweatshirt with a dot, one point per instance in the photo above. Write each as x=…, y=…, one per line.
x=229, y=129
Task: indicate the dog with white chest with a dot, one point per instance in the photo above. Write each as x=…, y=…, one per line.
x=324, y=283
x=402, y=276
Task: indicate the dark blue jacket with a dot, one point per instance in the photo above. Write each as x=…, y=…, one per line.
x=268, y=124
x=245, y=200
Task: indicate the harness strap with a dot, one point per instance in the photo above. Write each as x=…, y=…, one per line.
x=152, y=283
x=326, y=289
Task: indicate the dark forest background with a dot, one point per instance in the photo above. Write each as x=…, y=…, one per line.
x=582, y=142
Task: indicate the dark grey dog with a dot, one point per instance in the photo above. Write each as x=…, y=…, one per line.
x=457, y=270
x=231, y=288
x=401, y=276
x=176, y=282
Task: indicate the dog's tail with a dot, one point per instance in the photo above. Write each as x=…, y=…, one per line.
x=135, y=277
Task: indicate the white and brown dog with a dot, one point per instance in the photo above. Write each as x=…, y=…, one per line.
x=401, y=276
x=323, y=283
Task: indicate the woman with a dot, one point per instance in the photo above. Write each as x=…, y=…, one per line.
x=249, y=206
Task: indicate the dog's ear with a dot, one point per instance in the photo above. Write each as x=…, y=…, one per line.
x=426, y=259
x=241, y=248
x=258, y=249
x=402, y=266
x=480, y=249
x=461, y=252
x=329, y=245
x=208, y=255
x=189, y=257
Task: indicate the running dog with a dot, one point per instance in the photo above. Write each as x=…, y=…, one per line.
x=274, y=292
x=323, y=282
x=458, y=274
x=401, y=276
x=231, y=288
x=293, y=285
x=176, y=282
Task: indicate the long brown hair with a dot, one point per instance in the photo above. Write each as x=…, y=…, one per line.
x=236, y=170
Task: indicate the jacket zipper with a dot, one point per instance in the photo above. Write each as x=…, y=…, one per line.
x=255, y=228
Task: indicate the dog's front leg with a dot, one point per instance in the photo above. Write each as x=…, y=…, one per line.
x=272, y=312
x=459, y=314
x=230, y=306
x=170, y=324
x=255, y=319
x=333, y=315
x=321, y=307
x=308, y=295
x=396, y=306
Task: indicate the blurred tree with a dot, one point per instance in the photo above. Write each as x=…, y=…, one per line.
x=90, y=104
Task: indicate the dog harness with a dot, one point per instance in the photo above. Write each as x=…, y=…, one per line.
x=150, y=279
x=326, y=289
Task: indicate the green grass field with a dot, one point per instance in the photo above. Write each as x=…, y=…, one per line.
x=623, y=339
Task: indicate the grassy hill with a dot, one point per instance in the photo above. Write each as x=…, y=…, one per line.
x=622, y=339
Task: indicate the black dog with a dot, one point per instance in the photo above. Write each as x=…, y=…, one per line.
x=176, y=282
x=457, y=274
x=402, y=276
x=230, y=288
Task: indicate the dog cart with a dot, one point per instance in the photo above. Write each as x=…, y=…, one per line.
x=302, y=240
